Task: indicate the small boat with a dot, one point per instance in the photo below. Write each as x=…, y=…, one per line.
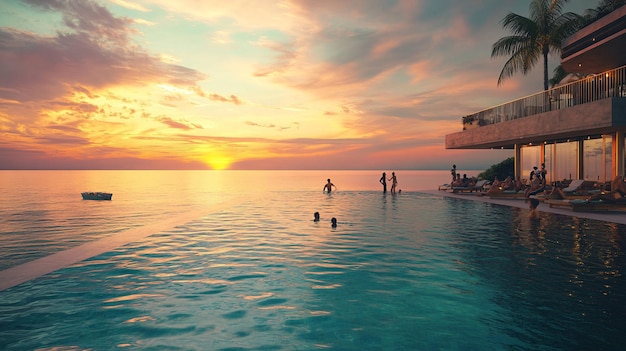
x=90, y=195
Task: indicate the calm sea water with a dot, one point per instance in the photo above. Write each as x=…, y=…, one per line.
x=406, y=272
x=41, y=212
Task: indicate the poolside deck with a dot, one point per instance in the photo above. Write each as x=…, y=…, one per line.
x=613, y=217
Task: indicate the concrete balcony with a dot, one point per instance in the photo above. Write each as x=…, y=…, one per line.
x=577, y=128
x=576, y=122
x=588, y=106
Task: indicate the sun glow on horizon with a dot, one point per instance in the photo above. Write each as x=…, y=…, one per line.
x=218, y=163
x=289, y=85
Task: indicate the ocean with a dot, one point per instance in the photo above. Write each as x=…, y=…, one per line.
x=42, y=212
x=233, y=260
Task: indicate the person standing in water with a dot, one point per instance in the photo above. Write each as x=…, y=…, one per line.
x=394, y=182
x=383, y=181
x=453, y=173
x=329, y=187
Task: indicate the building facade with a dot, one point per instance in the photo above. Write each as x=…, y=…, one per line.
x=577, y=128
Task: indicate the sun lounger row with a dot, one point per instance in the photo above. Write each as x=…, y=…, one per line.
x=507, y=194
x=476, y=187
x=578, y=205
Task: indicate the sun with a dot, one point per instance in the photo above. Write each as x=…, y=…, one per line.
x=218, y=162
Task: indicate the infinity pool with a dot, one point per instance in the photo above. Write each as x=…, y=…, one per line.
x=406, y=272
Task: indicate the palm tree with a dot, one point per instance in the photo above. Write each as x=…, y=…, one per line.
x=557, y=75
x=535, y=37
x=604, y=8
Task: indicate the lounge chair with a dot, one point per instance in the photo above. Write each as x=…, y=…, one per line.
x=578, y=205
x=578, y=189
x=565, y=203
x=476, y=187
x=574, y=186
x=507, y=194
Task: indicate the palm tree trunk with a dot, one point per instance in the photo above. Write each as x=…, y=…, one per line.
x=545, y=70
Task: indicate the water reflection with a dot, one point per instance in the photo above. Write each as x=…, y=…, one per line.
x=411, y=272
x=562, y=279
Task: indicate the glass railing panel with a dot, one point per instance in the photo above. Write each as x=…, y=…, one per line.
x=581, y=90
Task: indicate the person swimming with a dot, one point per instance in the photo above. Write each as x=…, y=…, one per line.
x=333, y=222
x=328, y=186
x=316, y=217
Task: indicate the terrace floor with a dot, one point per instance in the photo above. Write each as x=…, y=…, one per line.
x=613, y=217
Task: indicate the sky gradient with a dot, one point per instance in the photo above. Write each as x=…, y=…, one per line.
x=263, y=84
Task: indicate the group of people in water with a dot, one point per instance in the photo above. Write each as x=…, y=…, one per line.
x=328, y=187
x=333, y=221
x=394, y=182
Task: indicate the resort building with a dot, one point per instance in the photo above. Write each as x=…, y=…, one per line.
x=577, y=128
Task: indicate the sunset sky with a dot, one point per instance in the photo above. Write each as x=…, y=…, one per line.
x=258, y=84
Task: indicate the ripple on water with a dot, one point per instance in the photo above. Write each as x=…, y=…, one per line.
x=405, y=272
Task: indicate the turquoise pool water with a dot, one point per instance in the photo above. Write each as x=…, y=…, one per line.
x=407, y=272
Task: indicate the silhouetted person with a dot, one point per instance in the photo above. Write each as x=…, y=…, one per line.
x=383, y=181
x=316, y=216
x=453, y=173
x=394, y=182
x=333, y=222
x=328, y=186
x=465, y=180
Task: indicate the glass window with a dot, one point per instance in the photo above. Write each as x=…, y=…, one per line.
x=531, y=157
x=549, y=161
x=593, y=160
x=608, y=157
x=566, y=161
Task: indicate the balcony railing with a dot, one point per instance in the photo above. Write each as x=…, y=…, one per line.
x=580, y=91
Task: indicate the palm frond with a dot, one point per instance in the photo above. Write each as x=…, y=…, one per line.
x=523, y=59
x=534, y=37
